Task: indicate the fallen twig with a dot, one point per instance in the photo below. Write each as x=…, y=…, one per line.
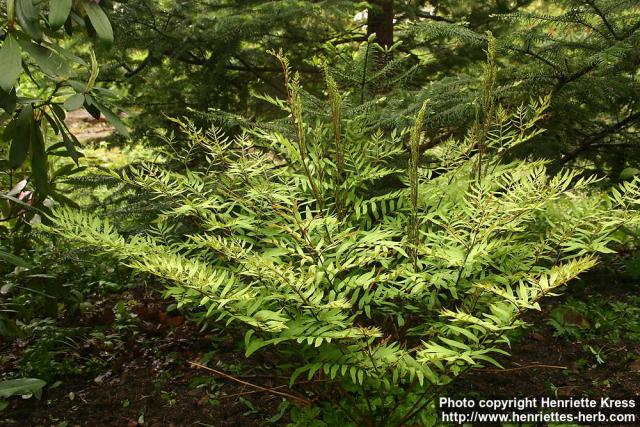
x=267, y=390
x=520, y=368
x=244, y=393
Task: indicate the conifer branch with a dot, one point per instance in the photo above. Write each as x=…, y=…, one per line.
x=603, y=17
x=595, y=139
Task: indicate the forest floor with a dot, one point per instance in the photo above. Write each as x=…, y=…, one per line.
x=86, y=128
x=141, y=373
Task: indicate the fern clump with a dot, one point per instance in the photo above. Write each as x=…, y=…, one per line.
x=378, y=266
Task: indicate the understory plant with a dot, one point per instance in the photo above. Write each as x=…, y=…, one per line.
x=373, y=267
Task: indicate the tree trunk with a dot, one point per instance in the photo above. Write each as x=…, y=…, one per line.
x=380, y=21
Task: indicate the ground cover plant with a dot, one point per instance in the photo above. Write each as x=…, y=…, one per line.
x=375, y=266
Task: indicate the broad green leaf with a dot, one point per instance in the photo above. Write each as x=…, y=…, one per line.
x=91, y=108
x=14, y=260
x=59, y=113
x=74, y=102
x=52, y=123
x=10, y=63
x=19, y=202
x=299, y=371
x=48, y=61
x=39, y=168
x=455, y=343
x=67, y=170
x=21, y=138
x=8, y=101
x=63, y=200
x=113, y=119
x=68, y=139
x=59, y=12
x=254, y=346
x=70, y=146
x=488, y=359
x=352, y=373
x=68, y=25
x=28, y=17
x=629, y=173
x=106, y=93
x=76, y=85
x=21, y=386
x=100, y=21
x=68, y=55
x=11, y=11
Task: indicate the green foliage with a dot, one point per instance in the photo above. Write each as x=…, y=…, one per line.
x=40, y=75
x=41, y=78
x=212, y=54
x=25, y=387
x=378, y=271
x=49, y=354
x=54, y=283
x=21, y=386
x=597, y=318
x=582, y=53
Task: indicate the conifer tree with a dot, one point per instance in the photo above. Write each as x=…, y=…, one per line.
x=212, y=54
x=582, y=53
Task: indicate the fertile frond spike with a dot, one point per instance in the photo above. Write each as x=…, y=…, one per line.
x=488, y=92
x=414, y=144
x=486, y=115
x=335, y=101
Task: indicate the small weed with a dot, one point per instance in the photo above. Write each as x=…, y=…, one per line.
x=170, y=397
x=597, y=353
x=597, y=318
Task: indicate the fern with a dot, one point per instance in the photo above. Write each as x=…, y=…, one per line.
x=387, y=268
